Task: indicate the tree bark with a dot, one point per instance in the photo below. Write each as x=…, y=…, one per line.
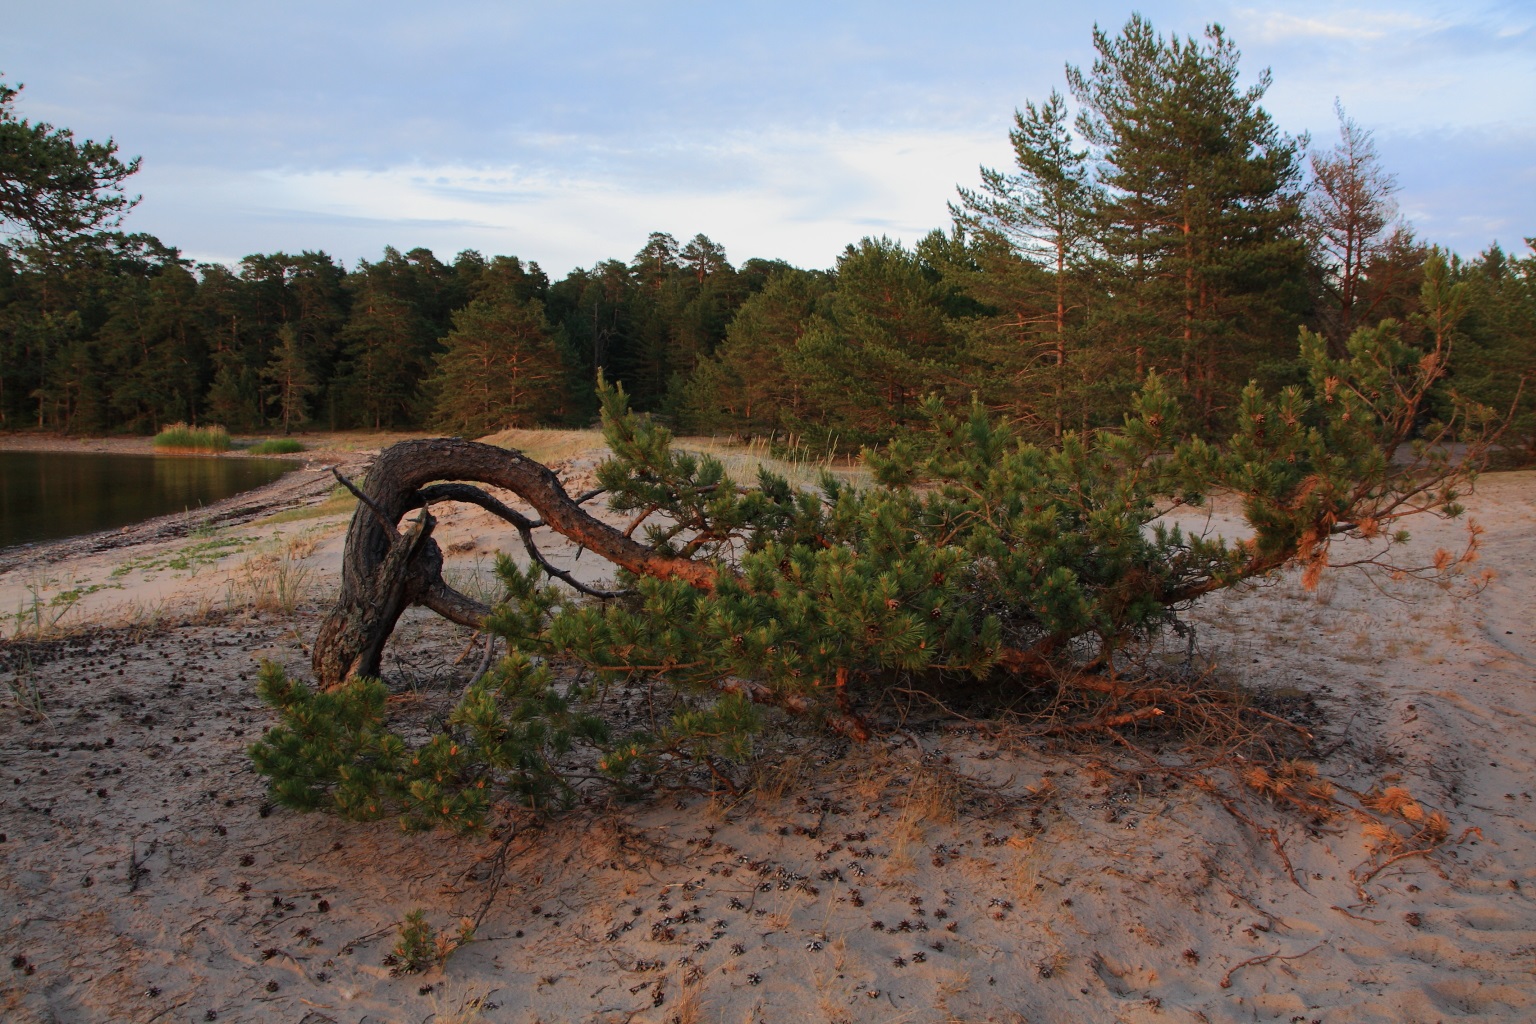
x=384, y=572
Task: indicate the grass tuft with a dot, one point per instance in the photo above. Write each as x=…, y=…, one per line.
x=178, y=437
x=275, y=446
x=273, y=581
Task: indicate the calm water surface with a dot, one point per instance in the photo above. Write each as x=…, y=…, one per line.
x=49, y=495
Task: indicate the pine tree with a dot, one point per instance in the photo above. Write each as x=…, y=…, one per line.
x=154, y=344
x=656, y=302
x=387, y=349
x=1042, y=216
x=1200, y=227
x=1349, y=212
x=750, y=386
x=509, y=275
x=63, y=295
x=500, y=368
x=975, y=556
x=234, y=349
x=593, y=310
x=712, y=293
x=289, y=378
x=53, y=186
x=1495, y=362
x=879, y=344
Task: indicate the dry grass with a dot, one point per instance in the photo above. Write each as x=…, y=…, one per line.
x=742, y=459
x=933, y=797
x=451, y=1006
x=24, y=694
x=935, y=794
x=304, y=545
x=802, y=469
x=549, y=446
x=273, y=580
x=771, y=781
x=906, y=834
x=37, y=618
x=478, y=581
x=1022, y=874
x=687, y=1006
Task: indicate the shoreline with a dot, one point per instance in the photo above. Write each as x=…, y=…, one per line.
x=348, y=451
x=22, y=441
x=303, y=485
x=316, y=443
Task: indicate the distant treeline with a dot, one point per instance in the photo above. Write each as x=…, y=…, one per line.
x=1169, y=228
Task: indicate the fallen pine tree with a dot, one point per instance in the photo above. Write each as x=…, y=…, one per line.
x=975, y=558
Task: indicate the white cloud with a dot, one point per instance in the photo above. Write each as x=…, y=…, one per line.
x=1348, y=24
x=798, y=196
x=512, y=146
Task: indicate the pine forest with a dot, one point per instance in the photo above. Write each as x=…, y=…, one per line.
x=1155, y=219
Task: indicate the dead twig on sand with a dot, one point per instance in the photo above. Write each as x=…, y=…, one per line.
x=1421, y=851
x=498, y=873
x=1357, y=917
x=1226, y=979
x=136, y=868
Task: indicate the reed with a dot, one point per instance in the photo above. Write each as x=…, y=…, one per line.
x=178, y=437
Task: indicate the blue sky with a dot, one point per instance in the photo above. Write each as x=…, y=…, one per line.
x=564, y=132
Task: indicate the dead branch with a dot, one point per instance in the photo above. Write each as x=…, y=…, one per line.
x=1420, y=851
x=475, y=496
x=384, y=572
x=1104, y=722
x=846, y=723
x=1226, y=979
x=365, y=500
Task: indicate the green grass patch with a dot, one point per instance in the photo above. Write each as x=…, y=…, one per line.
x=178, y=437
x=190, y=558
x=339, y=502
x=276, y=446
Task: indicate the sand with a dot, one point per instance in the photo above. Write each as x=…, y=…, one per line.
x=938, y=873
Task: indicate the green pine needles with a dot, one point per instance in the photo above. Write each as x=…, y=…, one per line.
x=976, y=558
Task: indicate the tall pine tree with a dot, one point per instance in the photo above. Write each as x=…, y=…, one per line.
x=290, y=381
x=1030, y=236
x=750, y=384
x=1201, y=223
x=881, y=342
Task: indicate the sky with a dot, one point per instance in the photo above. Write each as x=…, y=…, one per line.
x=565, y=132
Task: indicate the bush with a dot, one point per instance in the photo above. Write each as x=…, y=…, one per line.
x=275, y=446
x=178, y=437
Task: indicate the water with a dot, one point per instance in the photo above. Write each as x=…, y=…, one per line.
x=49, y=495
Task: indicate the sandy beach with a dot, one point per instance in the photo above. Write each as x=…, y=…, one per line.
x=948, y=870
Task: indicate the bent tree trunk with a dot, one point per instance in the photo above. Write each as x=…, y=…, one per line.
x=385, y=571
